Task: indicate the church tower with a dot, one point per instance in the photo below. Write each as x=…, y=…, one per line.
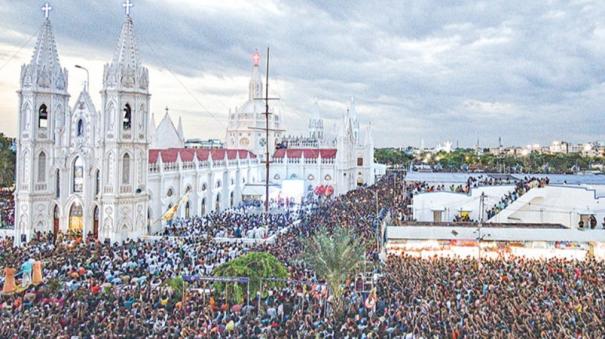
x=246, y=122
x=316, y=125
x=125, y=145
x=43, y=107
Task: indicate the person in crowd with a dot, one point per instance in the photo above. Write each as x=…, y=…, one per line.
x=103, y=289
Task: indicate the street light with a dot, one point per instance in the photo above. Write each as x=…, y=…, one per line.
x=87, y=76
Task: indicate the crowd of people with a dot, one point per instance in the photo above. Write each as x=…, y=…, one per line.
x=121, y=290
x=7, y=207
x=520, y=189
x=457, y=298
x=243, y=222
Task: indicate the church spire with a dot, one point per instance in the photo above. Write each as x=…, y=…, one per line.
x=179, y=129
x=125, y=69
x=256, y=83
x=44, y=69
x=127, y=53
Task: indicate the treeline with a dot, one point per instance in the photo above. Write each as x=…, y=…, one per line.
x=7, y=162
x=468, y=160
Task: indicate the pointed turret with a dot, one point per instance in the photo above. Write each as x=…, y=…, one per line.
x=151, y=128
x=125, y=69
x=127, y=54
x=256, y=83
x=179, y=130
x=44, y=70
x=316, y=123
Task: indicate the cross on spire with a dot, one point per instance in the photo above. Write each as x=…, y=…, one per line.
x=166, y=110
x=127, y=6
x=46, y=9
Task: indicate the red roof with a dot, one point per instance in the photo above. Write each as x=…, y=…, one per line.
x=309, y=153
x=187, y=154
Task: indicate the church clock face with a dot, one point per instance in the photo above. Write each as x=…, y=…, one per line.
x=244, y=141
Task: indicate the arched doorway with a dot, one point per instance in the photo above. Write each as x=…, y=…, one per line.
x=203, y=210
x=231, y=200
x=95, y=226
x=187, y=210
x=76, y=220
x=56, y=221
x=218, y=203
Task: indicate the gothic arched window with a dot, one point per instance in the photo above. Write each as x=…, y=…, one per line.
x=127, y=121
x=42, y=167
x=97, y=182
x=78, y=175
x=80, y=130
x=58, y=184
x=126, y=169
x=43, y=116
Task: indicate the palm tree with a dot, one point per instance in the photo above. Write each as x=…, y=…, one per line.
x=335, y=256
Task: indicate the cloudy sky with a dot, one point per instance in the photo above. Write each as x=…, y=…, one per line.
x=432, y=70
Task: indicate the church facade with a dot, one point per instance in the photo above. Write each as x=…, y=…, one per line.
x=79, y=170
x=111, y=173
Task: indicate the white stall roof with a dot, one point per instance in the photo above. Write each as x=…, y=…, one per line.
x=395, y=233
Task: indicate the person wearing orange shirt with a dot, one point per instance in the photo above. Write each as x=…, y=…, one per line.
x=9, y=281
x=37, y=275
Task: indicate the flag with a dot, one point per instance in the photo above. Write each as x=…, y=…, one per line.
x=169, y=215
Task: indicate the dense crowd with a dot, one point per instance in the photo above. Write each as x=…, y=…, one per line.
x=457, y=298
x=109, y=290
x=242, y=222
x=520, y=189
x=7, y=207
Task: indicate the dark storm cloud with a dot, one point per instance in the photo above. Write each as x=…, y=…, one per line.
x=433, y=70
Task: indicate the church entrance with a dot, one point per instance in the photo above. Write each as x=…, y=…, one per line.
x=56, y=221
x=76, y=221
x=95, y=227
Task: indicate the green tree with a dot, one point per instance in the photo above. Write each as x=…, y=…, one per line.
x=7, y=162
x=254, y=266
x=335, y=256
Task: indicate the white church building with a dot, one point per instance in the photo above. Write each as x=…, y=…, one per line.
x=111, y=173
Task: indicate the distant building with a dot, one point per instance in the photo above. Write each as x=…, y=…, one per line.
x=207, y=144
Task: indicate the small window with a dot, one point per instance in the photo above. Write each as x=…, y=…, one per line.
x=126, y=169
x=58, y=184
x=43, y=117
x=127, y=121
x=328, y=177
x=80, y=130
x=170, y=192
x=97, y=182
x=359, y=161
x=42, y=167
x=78, y=175
x=218, y=184
x=204, y=187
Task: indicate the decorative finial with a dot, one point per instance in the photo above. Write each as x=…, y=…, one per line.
x=46, y=9
x=127, y=6
x=256, y=58
x=166, y=110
